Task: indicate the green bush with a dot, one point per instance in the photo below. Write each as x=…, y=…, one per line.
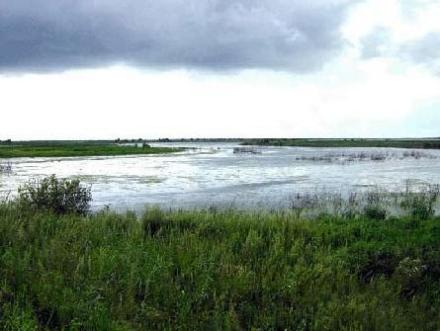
x=60, y=196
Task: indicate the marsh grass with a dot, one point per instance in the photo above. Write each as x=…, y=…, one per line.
x=356, y=268
x=348, y=157
x=216, y=270
x=78, y=149
x=420, y=203
x=5, y=168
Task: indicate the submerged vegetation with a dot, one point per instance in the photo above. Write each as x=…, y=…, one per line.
x=380, y=155
x=6, y=168
x=65, y=149
x=432, y=143
x=61, y=269
x=420, y=202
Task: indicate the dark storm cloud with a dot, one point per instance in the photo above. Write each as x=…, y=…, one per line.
x=47, y=35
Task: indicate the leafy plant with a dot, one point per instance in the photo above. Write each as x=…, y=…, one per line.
x=60, y=196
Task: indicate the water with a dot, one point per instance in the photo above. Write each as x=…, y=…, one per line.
x=212, y=174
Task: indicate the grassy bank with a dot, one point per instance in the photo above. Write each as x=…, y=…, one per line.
x=211, y=270
x=60, y=150
x=433, y=143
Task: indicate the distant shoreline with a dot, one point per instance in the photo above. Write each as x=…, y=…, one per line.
x=65, y=148
x=421, y=143
x=28, y=149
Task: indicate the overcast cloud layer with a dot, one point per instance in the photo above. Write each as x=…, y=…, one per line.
x=47, y=35
x=156, y=68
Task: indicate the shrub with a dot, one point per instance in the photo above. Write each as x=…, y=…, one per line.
x=60, y=196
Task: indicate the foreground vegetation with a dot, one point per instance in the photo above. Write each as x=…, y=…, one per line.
x=66, y=269
x=64, y=150
x=433, y=143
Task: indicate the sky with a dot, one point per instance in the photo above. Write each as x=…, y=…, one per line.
x=107, y=69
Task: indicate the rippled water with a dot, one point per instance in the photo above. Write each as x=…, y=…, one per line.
x=212, y=174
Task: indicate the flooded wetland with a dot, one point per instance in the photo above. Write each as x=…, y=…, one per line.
x=228, y=175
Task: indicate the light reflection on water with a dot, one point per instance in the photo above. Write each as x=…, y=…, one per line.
x=211, y=174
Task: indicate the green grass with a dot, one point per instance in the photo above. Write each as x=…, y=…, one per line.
x=433, y=143
x=60, y=150
x=224, y=270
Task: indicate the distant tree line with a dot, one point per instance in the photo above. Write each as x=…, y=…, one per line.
x=123, y=141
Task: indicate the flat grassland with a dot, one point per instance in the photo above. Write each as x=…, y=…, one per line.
x=66, y=149
x=432, y=143
x=217, y=270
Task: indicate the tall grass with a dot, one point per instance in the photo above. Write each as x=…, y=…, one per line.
x=359, y=269
x=420, y=202
x=216, y=270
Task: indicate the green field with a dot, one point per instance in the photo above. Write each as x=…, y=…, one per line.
x=211, y=270
x=77, y=149
x=433, y=143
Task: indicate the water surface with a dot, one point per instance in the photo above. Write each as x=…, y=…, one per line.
x=212, y=174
